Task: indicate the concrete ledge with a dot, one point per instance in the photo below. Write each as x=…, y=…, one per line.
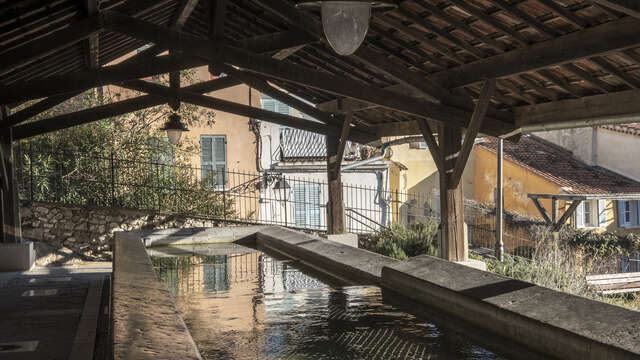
x=199, y=235
x=17, y=256
x=555, y=323
x=349, y=264
x=146, y=322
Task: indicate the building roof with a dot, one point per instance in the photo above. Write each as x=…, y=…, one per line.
x=300, y=145
x=560, y=167
x=631, y=128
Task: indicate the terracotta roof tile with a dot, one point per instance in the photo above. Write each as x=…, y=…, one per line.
x=560, y=167
x=631, y=128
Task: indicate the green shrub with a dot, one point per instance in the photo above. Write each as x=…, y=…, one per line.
x=402, y=242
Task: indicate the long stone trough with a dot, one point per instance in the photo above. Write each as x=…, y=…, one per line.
x=549, y=322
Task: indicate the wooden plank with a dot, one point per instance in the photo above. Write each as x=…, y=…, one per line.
x=93, y=42
x=344, y=136
x=472, y=131
x=87, y=79
x=335, y=205
x=613, y=276
x=598, y=40
x=629, y=7
x=43, y=47
x=110, y=110
x=282, y=40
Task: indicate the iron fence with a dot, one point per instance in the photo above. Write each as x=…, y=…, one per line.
x=158, y=185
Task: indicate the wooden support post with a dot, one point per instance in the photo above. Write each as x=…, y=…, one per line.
x=500, y=203
x=12, y=232
x=451, y=198
x=335, y=154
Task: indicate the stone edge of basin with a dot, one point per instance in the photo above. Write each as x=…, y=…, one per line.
x=146, y=323
x=193, y=236
x=558, y=324
x=338, y=260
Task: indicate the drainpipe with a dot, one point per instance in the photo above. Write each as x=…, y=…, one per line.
x=499, y=204
x=385, y=153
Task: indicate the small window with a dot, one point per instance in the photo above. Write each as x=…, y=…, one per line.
x=628, y=213
x=213, y=159
x=587, y=215
x=422, y=145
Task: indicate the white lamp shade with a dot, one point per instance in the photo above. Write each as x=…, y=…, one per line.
x=174, y=136
x=345, y=24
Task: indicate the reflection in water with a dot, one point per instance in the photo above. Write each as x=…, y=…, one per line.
x=247, y=305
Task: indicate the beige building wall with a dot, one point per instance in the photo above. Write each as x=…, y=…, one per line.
x=581, y=142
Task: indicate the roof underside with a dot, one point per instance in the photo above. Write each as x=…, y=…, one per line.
x=433, y=39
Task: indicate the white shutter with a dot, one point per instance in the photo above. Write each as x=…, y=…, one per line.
x=602, y=213
x=580, y=216
x=282, y=108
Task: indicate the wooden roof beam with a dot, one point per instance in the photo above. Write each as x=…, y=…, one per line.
x=598, y=40
x=605, y=109
x=123, y=107
x=93, y=42
x=183, y=14
x=241, y=109
x=629, y=7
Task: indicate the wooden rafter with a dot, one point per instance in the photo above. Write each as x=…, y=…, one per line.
x=110, y=110
x=184, y=12
x=432, y=144
x=563, y=219
x=93, y=42
x=597, y=40
x=629, y=7
x=542, y=211
x=91, y=78
x=294, y=73
x=239, y=109
x=472, y=131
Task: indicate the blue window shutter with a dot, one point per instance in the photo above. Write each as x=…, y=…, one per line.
x=313, y=208
x=602, y=213
x=621, y=221
x=206, y=158
x=580, y=215
x=299, y=205
x=634, y=213
x=220, y=158
x=268, y=104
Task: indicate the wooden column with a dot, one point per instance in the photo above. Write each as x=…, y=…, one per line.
x=335, y=154
x=451, y=196
x=12, y=231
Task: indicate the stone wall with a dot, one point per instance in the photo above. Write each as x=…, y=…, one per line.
x=89, y=232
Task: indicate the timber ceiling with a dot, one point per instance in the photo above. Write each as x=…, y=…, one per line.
x=446, y=42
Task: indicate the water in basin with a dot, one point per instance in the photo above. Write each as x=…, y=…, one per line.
x=240, y=303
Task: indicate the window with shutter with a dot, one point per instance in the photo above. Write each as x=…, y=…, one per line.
x=213, y=155
x=602, y=213
x=306, y=206
x=579, y=216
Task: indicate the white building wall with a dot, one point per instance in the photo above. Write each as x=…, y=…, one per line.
x=366, y=197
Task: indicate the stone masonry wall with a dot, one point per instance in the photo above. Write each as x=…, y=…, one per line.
x=89, y=232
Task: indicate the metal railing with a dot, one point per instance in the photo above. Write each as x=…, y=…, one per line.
x=107, y=180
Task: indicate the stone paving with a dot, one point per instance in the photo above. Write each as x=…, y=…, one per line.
x=51, y=312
